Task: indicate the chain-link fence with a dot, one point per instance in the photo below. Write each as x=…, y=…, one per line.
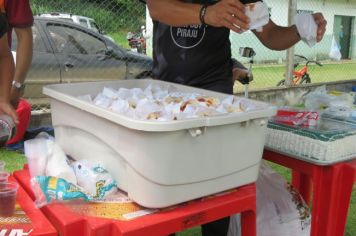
x=270, y=66
x=64, y=53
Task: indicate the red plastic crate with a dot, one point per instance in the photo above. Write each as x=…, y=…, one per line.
x=29, y=222
x=162, y=222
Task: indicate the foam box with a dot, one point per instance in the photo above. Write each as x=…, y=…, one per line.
x=160, y=163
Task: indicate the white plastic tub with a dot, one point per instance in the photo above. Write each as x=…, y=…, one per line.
x=160, y=163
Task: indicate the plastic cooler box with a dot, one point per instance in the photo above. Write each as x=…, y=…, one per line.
x=160, y=163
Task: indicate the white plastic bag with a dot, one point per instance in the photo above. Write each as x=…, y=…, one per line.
x=57, y=165
x=258, y=14
x=36, y=154
x=307, y=28
x=280, y=209
x=335, y=50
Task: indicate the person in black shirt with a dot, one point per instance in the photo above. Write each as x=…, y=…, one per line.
x=191, y=52
x=191, y=46
x=6, y=71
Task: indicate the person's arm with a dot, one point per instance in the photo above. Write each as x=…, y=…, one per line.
x=280, y=38
x=20, y=17
x=277, y=37
x=225, y=13
x=23, y=60
x=6, y=75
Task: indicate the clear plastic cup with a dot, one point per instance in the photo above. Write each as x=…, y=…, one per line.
x=8, y=199
x=2, y=165
x=4, y=176
x=36, y=154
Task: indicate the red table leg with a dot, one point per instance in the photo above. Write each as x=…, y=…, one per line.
x=303, y=183
x=332, y=188
x=325, y=181
x=343, y=197
x=332, y=194
x=248, y=223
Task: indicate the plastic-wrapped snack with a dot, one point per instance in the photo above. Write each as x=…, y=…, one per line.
x=48, y=189
x=94, y=179
x=297, y=117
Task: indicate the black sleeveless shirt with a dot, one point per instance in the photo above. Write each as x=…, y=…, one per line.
x=195, y=55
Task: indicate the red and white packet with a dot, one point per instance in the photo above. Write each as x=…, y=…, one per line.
x=297, y=117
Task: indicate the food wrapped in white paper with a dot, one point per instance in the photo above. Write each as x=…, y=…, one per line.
x=103, y=101
x=258, y=14
x=307, y=28
x=154, y=103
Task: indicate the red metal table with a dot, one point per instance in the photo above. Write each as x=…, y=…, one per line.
x=332, y=188
x=164, y=222
x=28, y=220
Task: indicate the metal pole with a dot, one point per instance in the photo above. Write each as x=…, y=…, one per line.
x=292, y=11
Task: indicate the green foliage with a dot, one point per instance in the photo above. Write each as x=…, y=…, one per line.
x=111, y=15
x=120, y=38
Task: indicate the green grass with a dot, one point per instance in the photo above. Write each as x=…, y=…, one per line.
x=269, y=75
x=15, y=161
x=120, y=39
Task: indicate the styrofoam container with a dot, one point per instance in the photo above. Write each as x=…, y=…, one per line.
x=160, y=163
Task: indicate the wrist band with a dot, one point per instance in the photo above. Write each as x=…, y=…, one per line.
x=202, y=14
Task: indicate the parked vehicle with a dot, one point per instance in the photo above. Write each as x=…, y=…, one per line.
x=80, y=20
x=137, y=42
x=65, y=52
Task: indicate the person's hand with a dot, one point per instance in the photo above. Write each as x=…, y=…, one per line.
x=321, y=23
x=229, y=14
x=5, y=107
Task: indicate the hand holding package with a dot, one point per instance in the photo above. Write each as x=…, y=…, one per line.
x=258, y=15
x=307, y=28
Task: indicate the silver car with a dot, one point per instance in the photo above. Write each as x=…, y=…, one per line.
x=65, y=52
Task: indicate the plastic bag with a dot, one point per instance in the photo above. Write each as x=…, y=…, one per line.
x=95, y=184
x=320, y=99
x=45, y=157
x=291, y=116
x=48, y=189
x=307, y=28
x=94, y=179
x=258, y=14
x=334, y=50
x=57, y=164
x=280, y=209
x=36, y=155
